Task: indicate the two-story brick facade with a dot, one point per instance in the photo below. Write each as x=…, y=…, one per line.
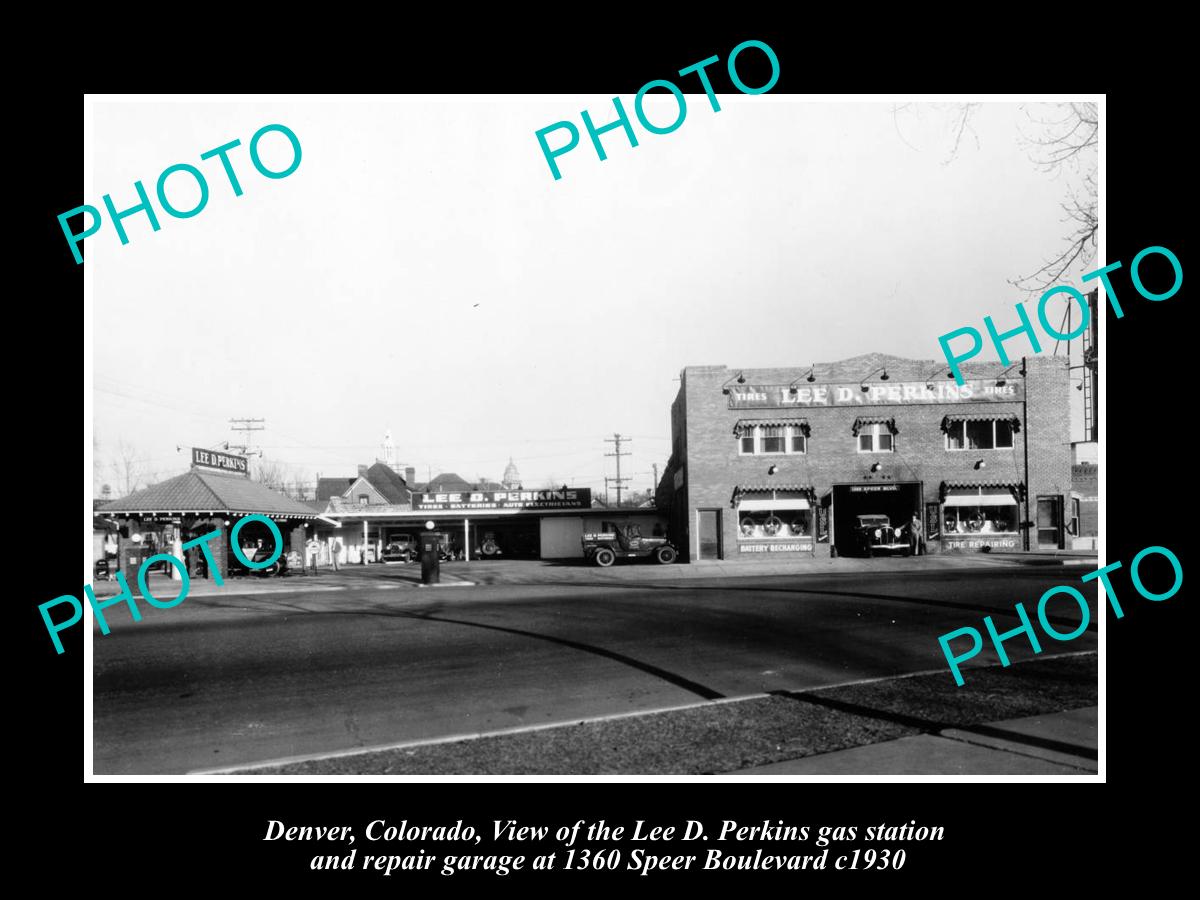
x=771, y=462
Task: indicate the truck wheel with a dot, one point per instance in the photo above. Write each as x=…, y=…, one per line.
x=665, y=555
x=604, y=557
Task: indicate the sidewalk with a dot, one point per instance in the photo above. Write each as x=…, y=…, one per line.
x=513, y=571
x=1056, y=744
x=576, y=571
x=166, y=588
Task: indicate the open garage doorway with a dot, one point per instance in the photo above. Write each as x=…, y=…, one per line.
x=897, y=500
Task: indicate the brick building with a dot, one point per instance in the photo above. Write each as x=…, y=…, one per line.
x=769, y=462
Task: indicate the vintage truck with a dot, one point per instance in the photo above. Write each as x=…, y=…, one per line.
x=618, y=541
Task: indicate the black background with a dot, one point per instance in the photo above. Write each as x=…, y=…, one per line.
x=163, y=835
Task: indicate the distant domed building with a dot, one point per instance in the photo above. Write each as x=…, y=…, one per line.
x=512, y=478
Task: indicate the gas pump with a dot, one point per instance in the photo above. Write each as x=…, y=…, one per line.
x=431, y=542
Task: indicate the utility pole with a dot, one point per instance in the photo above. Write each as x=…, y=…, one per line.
x=618, y=440
x=247, y=426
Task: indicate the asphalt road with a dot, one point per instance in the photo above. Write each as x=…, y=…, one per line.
x=225, y=679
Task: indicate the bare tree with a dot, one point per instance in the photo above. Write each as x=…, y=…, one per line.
x=1061, y=140
x=1063, y=144
x=271, y=472
x=127, y=469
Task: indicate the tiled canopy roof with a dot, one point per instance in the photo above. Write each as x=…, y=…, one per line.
x=204, y=492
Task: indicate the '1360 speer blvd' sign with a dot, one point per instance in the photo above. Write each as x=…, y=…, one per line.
x=215, y=460
x=774, y=396
x=572, y=498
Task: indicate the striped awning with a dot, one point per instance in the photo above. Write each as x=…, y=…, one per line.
x=981, y=488
x=950, y=420
x=802, y=490
x=743, y=425
x=766, y=504
x=862, y=421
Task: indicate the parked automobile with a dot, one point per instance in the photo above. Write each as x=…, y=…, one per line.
x=625, y=542
x=402, y=549
x=258, y=555
x=876, y=534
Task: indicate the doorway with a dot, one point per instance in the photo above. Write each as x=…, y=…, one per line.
x=898, y=500
x=1050, y=522
x=709, y=534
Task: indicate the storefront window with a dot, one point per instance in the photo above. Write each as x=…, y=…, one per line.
x=970, y=511
x=781, y=518
x=784, y=524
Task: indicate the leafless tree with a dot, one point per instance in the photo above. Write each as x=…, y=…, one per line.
x=1061, y=140
x=1063, y=144
x=127, y=468
x=279, y=476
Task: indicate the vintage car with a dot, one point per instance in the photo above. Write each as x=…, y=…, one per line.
x=400, y=549
x=259, y=555
x=875, y=534
x=616, y=541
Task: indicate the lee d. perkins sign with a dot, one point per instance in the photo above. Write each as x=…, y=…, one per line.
x=775, y=396
x=572, y=498
x=216, y=460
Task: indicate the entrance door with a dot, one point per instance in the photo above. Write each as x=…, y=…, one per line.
x=1049, y=523
x=710, y=533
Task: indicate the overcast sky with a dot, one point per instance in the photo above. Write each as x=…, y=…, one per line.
x=422, y=271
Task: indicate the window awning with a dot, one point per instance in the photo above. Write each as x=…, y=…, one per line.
x=792, y=492
x=743, y=425
x=1013, y=491
x=863, y=421
x=768, y=505
x=966, y=499
x=950, y=420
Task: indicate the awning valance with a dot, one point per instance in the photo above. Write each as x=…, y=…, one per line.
x=862, y=421
x=972, y=490
x=950, y=420
x=743, y=425
x=791, y=492
x=967, y=499
x=768, y=505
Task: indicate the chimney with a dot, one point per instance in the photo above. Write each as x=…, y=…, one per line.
x=362, y=471
x=410, y=476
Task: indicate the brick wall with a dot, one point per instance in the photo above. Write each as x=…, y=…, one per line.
x=702, y=426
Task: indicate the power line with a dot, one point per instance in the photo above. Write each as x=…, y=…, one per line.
x=246, y=426
x=618, y=481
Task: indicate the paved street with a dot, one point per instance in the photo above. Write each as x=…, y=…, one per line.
x=370, y=659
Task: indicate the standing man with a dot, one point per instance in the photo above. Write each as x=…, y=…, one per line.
x=335, y=547
x=914, y=535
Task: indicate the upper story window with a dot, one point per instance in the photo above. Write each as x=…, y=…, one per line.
x=876, y=438
x=875, y=434
x=769, y=438
x=364, y=499
x=980, y=433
